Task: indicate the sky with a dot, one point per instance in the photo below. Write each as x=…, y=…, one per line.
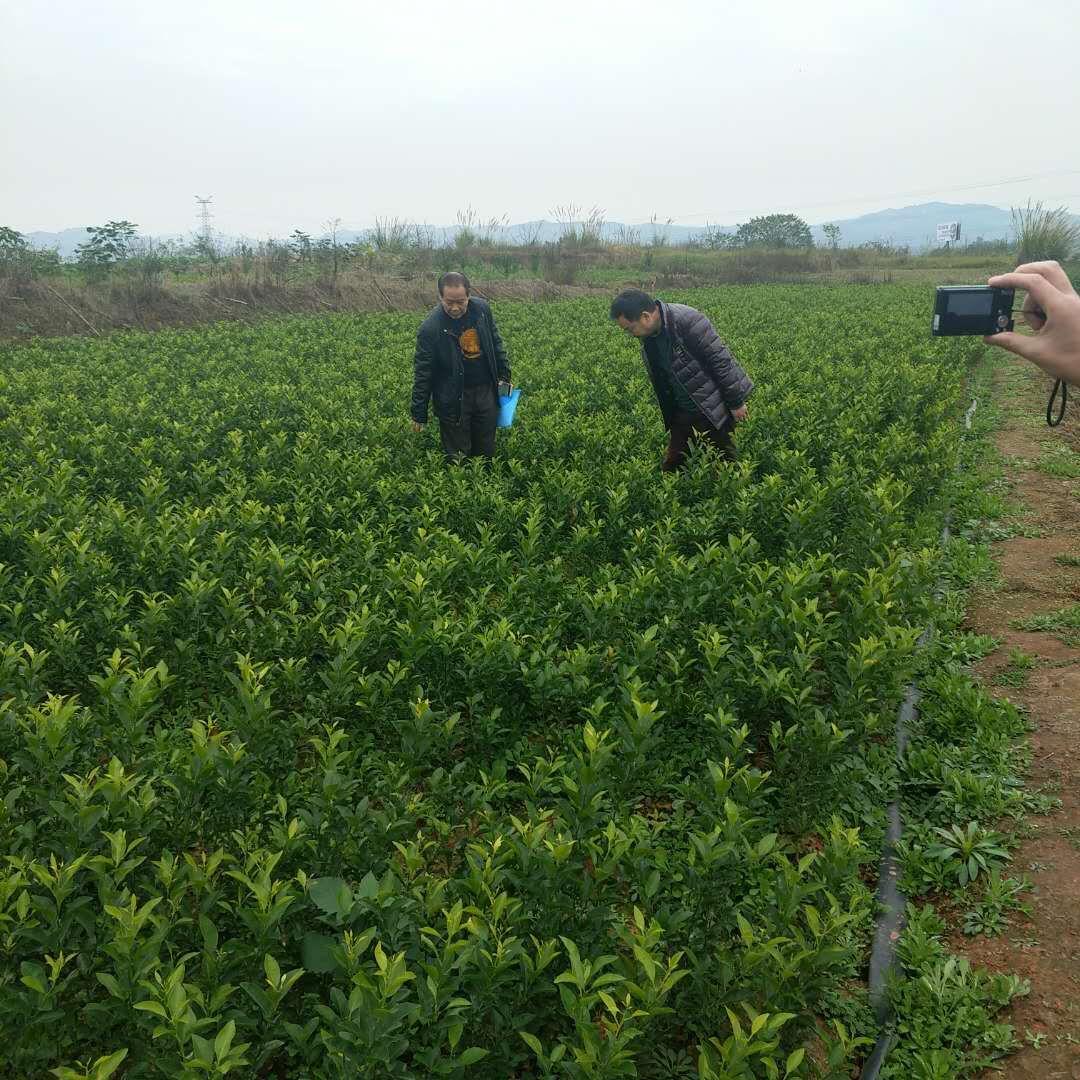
x=291, y=114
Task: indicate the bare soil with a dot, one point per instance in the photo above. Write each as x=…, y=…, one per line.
x=1044, y=948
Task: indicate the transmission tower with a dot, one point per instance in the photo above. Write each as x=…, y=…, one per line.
x=206, y=230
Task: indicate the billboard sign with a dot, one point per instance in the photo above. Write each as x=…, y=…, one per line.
x=948, y=233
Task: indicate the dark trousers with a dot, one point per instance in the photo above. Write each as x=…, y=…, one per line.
x=474, y=434
x=687, y=427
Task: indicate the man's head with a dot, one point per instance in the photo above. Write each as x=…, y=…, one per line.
x=454, y=293
x=636, y=312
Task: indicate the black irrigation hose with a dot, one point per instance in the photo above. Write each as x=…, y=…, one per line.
x=890, y=899
x=1064, y=388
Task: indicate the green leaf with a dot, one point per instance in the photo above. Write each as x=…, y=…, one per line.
x=204, y=1050
x=608, y=1001
x=259, y=996
x=152, y=1007
x=746, y=932
x=331, y=894
x=272, y=969
x=33, y=976
x=110, y=983
x=472, y=1055
x=104, y=1067
x=533, y=1043
x=646, y=962
x=224, y=1040
x=368, y=889
x=317, y=951
x=209, y=934
x=652, y=884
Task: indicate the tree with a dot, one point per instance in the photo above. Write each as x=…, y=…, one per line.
x=715, y=238
x=11, y=241
x=775, y=231
x=108, y=245
x=328, y=249
x=832, y=234
x=13, y=251
x=300, y=244
x=20, y=261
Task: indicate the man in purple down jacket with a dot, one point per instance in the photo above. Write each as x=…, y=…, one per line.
x=700, y=386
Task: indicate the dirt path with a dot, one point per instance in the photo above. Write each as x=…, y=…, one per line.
x=1037, y=578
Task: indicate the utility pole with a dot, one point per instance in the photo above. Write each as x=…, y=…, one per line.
x=206, y=230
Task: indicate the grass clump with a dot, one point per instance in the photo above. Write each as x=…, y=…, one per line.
x=1065, y=623
x=1061, y=462
x=1016, y=672
x=1044, y=232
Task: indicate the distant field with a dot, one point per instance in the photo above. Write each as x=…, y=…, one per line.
x=153, y=294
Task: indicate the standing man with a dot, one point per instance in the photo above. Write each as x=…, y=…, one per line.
x=461, y=364
x=701, y=388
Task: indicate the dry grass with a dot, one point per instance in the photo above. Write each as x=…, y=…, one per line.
x=54, y=309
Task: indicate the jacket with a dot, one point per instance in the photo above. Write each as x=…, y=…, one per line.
x=703, y=364
x=438, y=369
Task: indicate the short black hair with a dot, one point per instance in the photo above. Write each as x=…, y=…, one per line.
x=631, y=304
x=452, y=277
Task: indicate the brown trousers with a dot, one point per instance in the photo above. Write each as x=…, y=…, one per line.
x=687, y=427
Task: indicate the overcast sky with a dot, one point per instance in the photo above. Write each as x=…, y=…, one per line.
x=292, y=113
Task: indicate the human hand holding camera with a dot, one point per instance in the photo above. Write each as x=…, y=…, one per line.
x=1052, y=310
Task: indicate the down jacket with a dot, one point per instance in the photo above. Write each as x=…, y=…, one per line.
x=703, y=364
x=438, y=370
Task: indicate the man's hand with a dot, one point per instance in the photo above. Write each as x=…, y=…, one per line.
x=1055, y=344
x=416, y=426
x=741, y=413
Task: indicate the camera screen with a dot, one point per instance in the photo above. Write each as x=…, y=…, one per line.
x=971, y=303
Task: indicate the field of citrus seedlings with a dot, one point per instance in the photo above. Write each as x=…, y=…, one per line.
x=321, y=759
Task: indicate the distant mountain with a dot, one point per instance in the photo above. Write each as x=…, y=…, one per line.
x=67, y=240
x=916, y=226
x=911, y=226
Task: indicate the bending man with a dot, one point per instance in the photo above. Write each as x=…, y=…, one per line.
x=701, y=388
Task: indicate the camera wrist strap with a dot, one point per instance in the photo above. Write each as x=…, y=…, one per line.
x=1063, y=387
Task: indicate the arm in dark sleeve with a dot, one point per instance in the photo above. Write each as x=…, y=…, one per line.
x=735, y=385
x=502, y=362
x=423, y=362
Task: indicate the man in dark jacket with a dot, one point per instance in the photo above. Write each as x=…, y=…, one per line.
x=701, y=388
x=461, y=365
